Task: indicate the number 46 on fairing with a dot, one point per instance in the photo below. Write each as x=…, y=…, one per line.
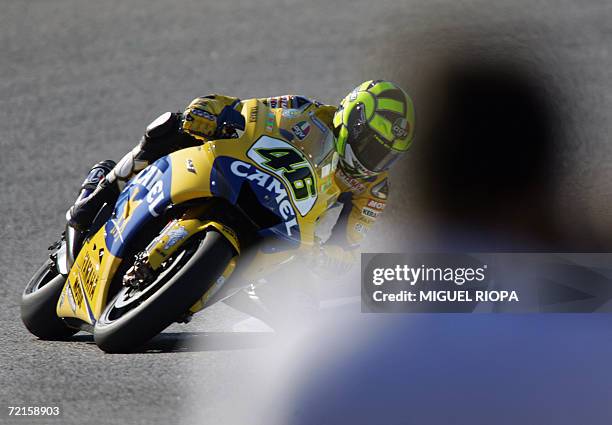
x=289, y=164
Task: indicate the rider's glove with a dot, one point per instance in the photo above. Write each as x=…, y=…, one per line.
x=212, y=116
x=199, y=119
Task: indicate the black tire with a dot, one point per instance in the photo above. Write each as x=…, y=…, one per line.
x=39, y=301
x=202, y=263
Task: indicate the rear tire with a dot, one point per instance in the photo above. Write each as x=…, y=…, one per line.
x=39, y=303
x=118, y=331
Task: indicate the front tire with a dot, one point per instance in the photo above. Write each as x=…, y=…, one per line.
x=39, y=303
x=125, y=325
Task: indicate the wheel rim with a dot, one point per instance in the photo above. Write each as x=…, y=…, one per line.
x=130, y=298
x=43, y=276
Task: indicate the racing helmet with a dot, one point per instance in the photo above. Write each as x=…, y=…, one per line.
x=374, y=126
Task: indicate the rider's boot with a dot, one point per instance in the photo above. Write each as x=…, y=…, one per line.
x=96, y=190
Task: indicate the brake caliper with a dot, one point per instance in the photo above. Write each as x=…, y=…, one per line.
x=140, y=274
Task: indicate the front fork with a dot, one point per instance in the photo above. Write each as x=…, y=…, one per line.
x=74, y=242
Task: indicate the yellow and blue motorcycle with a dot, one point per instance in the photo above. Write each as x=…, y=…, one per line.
x=169, y=245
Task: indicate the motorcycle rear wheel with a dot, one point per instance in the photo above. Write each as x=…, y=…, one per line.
x=132, y=318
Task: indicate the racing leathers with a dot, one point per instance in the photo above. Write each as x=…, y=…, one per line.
x=216, y=116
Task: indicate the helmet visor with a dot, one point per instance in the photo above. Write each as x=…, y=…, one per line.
x=372, y=153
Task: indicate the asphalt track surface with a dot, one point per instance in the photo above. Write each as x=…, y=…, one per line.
x=79, y=80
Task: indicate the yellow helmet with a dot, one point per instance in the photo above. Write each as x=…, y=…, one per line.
x=374, y=125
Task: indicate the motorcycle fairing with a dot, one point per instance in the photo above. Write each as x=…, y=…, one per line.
x=86, y=288
x=192, y=173
x=145, y=196
x=231, y=174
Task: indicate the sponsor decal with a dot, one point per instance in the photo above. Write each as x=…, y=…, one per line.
x=291, y=166
x=190, y=166
x=149, y=177
x=95, y=176
x=360, y=228
x=151, y=180
x=284, y=102
x=369, y=212
x=253, y=114
x=174, y=236
x=155, y=196
x=353, y=94
x=290, y=113
x=88, y=276
x=353, y=184
x=400, y=128
x=270, y=122
x=301, y=130
x=377, y=205
x=203, y=114
x=316, y=121
x=272, y=185
x=381, y=190
x=77, y=293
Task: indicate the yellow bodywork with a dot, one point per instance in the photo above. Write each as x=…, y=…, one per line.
x=85, y=292
x=86, y=288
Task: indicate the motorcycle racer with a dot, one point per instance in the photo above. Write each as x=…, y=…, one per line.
x=373, y=126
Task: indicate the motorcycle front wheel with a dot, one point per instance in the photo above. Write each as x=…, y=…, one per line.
x=135, y=315
x=39, y=301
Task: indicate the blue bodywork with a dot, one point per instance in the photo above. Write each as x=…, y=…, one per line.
x=228, y=185
x=152, y=186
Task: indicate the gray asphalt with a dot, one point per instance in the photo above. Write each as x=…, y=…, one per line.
x=79, y=81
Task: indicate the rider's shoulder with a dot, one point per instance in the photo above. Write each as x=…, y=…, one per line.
x=213, y=99
x=292, y=101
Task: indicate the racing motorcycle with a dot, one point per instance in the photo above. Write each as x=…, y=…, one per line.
x=169, y=245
